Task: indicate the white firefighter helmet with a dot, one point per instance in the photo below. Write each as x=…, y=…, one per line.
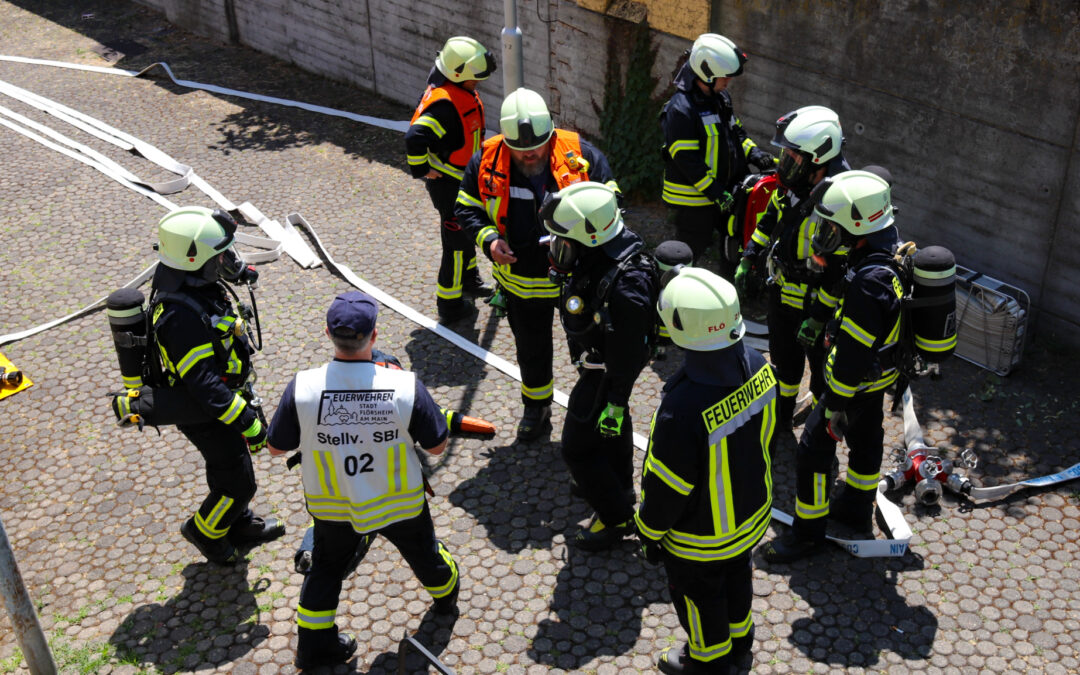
x=463, y=58
x=191, y=236
x=587, y=213
x=714, y=56
x=700, y=310
x=524, y=120
x=813, y=130
x=849, y=205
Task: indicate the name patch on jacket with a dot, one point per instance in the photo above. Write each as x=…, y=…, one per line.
x=356, y=407
x=740, y=405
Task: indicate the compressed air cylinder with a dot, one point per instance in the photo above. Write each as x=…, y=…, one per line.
x=933, y=305
x=126, y=310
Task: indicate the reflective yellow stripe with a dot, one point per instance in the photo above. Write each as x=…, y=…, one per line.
x=926, y=344
x=324, y=461
x=468, y=200
x=416, y=160
x=679, y=146
x=370, y=515
x=445, y=589
x=448, y=169
x=699, y=651
x=315, y=619
x=735, y=409
x=655, y=535
x=524, y=287
x=210, y=526
x=748, y=145
x=670, y=478
x=453, y=292
x=856, y=331
x=723, y=511
x=861, y=481
x=431, y=123
x=194, y=356
x=132, y=382
x=540, y=393
x=235, y=408
x=820, y=506
x=741, y=628
x=788, y=390
x=759, y=238
x=397, y=468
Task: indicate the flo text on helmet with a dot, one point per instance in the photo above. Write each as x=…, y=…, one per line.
x=814, y=134
x=463, y=58
x=525, y=121
x=700, y=309
x=850, y=205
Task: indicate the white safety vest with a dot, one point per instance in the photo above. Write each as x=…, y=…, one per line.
x=359, y=464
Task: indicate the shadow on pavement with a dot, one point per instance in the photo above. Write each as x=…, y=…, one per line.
x=853, y=623
x=215, y=605
x=133, y=37
x=521, y=496
x=599, y=600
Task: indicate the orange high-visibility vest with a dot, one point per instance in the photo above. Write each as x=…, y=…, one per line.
x=494, y=178
x=470, y=110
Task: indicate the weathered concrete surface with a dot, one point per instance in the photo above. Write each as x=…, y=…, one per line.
x=93, y=511
x=975, y=108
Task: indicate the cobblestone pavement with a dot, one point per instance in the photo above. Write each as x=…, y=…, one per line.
x=92, y=511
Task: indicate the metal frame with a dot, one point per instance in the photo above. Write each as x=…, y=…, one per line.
x=987, y=297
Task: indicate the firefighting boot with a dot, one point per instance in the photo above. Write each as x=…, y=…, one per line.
x=447, y=604
x=218, y=551
x=597, y=537
x=326, y=647
x=806, y=538
x=534, y=422
x=256, y=531
x=854, y=511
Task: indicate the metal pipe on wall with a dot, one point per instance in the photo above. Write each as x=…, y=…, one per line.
x=512, y=66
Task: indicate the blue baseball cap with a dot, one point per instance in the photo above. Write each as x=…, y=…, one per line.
x=352, y=315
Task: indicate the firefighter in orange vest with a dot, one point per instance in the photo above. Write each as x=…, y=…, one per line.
x=447, y=129
x=499, y=206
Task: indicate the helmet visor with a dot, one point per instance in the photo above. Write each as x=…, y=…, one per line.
x=827, y=237
x=228, y=225
x=794, y=169
x=563, y=253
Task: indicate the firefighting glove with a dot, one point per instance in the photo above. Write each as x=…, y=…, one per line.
x=255, y=435
x=725, y=201
x=763, y=159
x=743, y=278
x=809, y=332
x=611, y=420
x=497, y=300
x=836, y=423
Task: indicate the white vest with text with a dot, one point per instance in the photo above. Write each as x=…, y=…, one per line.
x=359, y=465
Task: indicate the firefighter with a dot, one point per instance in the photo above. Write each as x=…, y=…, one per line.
x=204, y=349
x=447, y=129
x=855, y=211
x=609, y=287
x=706, y=150
x=706, y=488
x=498, y=205
x=799, y=300
x=355, y=423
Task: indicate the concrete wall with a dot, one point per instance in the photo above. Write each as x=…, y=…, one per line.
x=974, y=106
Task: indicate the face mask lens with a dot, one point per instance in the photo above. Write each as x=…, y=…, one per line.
x=791, y=172
x=232, y=265
x=563, y=253
x=827, y=237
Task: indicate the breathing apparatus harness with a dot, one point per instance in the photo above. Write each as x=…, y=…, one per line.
x=150, y=396
x=578, y=300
